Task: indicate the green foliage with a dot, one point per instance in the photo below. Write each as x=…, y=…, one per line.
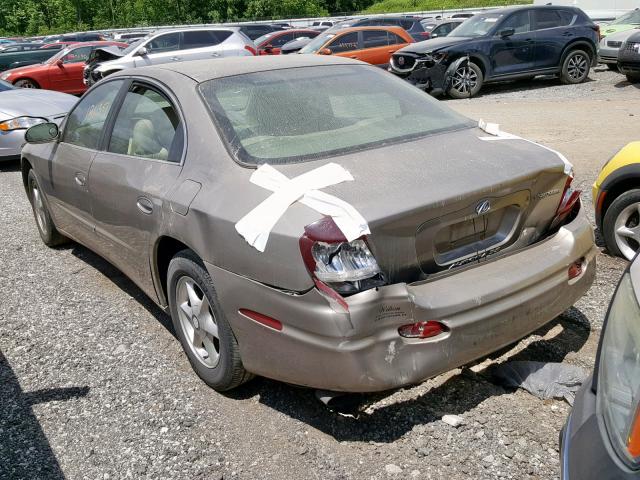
x=40, y=17
x=393, y=6
x=284, y=8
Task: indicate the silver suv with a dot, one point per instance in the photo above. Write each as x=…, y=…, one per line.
x=176, y=45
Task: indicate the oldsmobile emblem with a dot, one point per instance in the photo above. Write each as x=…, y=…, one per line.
x=483, y=207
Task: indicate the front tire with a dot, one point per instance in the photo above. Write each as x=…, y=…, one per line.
x=200, y=324
x=466, y=81
x=621, y=225
x=47, y=230
x=26, y=83
x=576, y=67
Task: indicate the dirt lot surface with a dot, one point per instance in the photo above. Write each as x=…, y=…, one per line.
x=94, y=385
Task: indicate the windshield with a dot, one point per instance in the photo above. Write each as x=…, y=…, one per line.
x=630, y=18
x=260, y=40
x=57, y=56
x=4, y=86
x=297, y=114
x=134, y=45
x=316, y=44
x=428, y=26
x=477, y=26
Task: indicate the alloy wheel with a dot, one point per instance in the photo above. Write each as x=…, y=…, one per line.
x=577, y=67
x=25, y=84
x=38, y=207
x=627, y=231
x=465, y=80
x=198, y=322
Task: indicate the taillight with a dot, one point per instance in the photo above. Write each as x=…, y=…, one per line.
x=250, y=49
x=422, y=329
x=425, y=34
x=570, y=198
x=346, y=267
x=597, y=29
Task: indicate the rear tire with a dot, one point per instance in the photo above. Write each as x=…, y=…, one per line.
x=633, y=78
x=200, y=324
x=48, y=232
x=26, y=83
x=466, y=81
x=623, y=215
x=612, y=66
x=576, y=67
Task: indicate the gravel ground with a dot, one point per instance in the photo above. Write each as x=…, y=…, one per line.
x=94, y=385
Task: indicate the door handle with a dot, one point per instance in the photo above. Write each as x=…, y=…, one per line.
x=214, y=54
x=354, y=56
x=80, y=178
x=144, y=205
x=176, y=59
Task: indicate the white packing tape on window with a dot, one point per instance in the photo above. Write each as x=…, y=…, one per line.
x=493, y=129
x=256, y=225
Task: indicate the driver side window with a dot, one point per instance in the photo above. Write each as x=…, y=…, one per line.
x=77, y=55
x=85, y=123
x=344, y=43
x=519, y=21
x=164, y=43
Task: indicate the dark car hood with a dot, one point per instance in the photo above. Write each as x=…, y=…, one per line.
x=434, y=44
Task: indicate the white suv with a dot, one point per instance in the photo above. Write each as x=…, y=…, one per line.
x=176, y=45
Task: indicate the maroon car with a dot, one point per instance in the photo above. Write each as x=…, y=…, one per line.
x=271, y=43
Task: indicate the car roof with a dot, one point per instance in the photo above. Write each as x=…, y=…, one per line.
x=391, y=28
x=154, y=33
x=506, y=10
x=203, y=70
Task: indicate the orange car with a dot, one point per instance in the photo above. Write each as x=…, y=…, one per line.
x=373, y=45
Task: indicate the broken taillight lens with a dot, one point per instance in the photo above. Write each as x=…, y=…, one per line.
x=347, y=267
x=422, y=329
x=570, y=198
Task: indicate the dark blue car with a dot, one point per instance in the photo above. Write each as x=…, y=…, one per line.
x=504, y=44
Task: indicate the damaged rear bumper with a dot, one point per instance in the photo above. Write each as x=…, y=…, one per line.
x=485, y=308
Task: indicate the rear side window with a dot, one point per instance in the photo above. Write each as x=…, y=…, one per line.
x=203, y=38
x=344, y=43
x=550, y=18
x=84, y=125
x=406, y=24
x=395, y=39
x=282, y=39
x=147, y=126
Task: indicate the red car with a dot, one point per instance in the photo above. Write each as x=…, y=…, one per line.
x=270, y=43
x=57, y=45
x=62, y=72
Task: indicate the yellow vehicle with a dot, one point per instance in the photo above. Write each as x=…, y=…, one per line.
x=616, y=198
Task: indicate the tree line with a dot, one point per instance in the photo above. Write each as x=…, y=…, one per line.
x=40, y=17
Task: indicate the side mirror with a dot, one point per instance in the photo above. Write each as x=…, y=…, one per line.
x=325, y=51
x=507, y=32
x=434, y=35
x=142, y=52
x=42, y=133
x=59, y=63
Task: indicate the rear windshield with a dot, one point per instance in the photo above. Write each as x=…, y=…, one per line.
x=294, y=115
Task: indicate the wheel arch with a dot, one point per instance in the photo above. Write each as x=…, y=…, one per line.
x=577, y=44
x=25, y=166
x=164, y=250
x=15, y=80
x=622, y=180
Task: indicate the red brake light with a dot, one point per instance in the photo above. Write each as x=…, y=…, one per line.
x=422, y=329
x=570, y=198
x=250, y=49
x=425, y=34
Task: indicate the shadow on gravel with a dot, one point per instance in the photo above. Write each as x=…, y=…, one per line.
x=123, y=282
x=12, y=166
x=625, y=84
x=25, y=452
x=387, y=423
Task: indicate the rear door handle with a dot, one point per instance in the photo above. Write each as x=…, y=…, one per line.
x=144, y=205
x=81, y=179
x=215, y=54
x=176, y=59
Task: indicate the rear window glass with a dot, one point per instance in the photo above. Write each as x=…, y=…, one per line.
x=293, y=115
